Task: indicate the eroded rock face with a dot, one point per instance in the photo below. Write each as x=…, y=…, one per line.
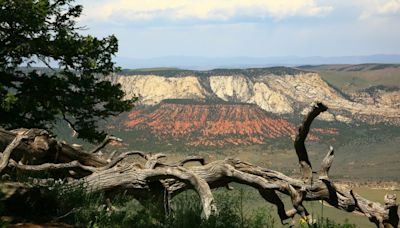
x=152, y=89
x=220, y=124
x=381, y=96
x=277, y=94
x=232, y=88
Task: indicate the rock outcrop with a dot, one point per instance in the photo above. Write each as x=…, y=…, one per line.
x=278, y=94
x=381, y=96
x=242, y=107
x=213, y=124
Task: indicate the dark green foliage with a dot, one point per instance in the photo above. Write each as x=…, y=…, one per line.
x=44, y=32
x=61, y=205
x=326, y=223
x=90, y=211
x=186, y=213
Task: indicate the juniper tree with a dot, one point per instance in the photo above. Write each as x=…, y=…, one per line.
x=71, y=85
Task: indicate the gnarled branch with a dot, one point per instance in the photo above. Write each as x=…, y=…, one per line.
x=301, y=151
x=5, y=158
x=326, y=164
x=108, y=139
x=173, y=178
x=52, y=166
x=190, y=159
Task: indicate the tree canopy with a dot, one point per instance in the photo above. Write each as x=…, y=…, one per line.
x=45, y=33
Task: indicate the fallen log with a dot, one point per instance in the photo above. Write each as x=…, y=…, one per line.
x=40, y=147
x=174, y=178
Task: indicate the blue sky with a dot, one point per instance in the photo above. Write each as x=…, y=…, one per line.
x=252, y=28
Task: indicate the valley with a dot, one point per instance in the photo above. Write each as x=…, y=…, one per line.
x=253, y=114
x=199, y=114
x=254, y=117
x=247, y=106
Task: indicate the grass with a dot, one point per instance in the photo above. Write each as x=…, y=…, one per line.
x=236, y=209
x=359, y=157
x=353, y=77
x=186, y=213
x=350, y=80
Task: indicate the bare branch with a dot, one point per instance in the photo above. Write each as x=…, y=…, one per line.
x=140, y=153
x=152, y=160
x=297, y=200
x=70, y=125
x=51, y=166
x=120, y=157
x=168, y=180
x=9, y=149
x=199, y=184
x=190, y=159
x=111, y=156
x=390, y=200
x=105, y=142
x=326, y=164
x=134, y=178
x=301, y=151
x=272, y=197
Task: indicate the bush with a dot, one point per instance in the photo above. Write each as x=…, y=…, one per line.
x=90, y=210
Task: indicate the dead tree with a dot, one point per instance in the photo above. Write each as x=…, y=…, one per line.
x=35, y=150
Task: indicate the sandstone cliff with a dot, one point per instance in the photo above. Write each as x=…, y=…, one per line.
x=287, y=92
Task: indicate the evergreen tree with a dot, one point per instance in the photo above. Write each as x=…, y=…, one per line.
x=34, y=32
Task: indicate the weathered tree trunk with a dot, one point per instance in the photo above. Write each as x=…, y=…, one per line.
x=39, y=147
x=36, y=151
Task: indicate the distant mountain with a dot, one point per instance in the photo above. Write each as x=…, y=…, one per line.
x=202, y=63
x=241, y=106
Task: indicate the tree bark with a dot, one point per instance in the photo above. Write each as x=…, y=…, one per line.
x=40, y=147
x=48, y=154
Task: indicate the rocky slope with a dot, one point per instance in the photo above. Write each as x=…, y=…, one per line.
x=196, y=123
x=286, y=91
x=381, y=96
x=242, y=107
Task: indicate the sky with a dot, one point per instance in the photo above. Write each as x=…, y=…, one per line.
x=251, y=28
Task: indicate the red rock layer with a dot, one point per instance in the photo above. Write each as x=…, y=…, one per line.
x=213, y=124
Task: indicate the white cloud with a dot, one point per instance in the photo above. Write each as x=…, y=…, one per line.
x=220, y=10
x=390, y=7
x=380, y=8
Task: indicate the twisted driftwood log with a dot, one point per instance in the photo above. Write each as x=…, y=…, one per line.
x=35, y=151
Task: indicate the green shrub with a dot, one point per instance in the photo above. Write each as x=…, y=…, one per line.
x=327, y=223
x=90, y=210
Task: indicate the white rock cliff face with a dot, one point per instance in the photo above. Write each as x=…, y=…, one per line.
x=152, y=89
x=232, y=88
x=288, y=94
x=270, y=100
